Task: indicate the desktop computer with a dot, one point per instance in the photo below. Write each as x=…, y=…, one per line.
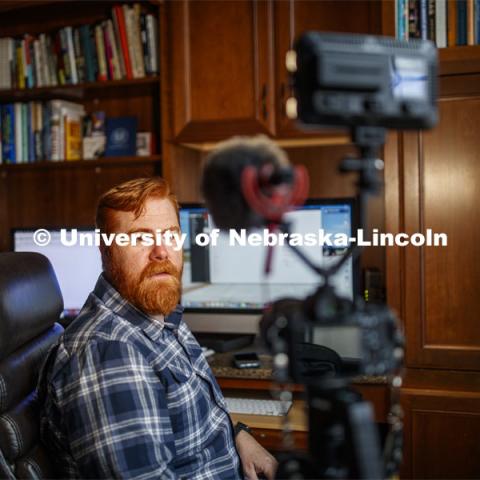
x=225, y=287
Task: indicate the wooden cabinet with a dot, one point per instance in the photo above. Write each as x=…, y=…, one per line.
x=438, y=176
x=441, y=434
x=224, y=57
x=294, y=17
x=432, y=183
x=220, y=63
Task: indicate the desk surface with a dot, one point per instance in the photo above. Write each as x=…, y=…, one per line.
x=296, y=416
x=221, y=365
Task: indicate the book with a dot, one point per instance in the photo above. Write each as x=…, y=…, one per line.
x=122, y=46
x=102, y=60
x=452, y=22
x=152, y=41
x=119, y=14
x=8, y=133
x=121, y=135
x=461, y=22
x=470, y=23
x=441, y=23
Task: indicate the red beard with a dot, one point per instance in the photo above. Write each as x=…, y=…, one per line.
x=149, y=294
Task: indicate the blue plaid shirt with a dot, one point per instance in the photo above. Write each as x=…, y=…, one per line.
x=126, y=396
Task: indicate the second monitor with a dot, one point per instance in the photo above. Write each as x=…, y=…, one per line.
x=226, y=279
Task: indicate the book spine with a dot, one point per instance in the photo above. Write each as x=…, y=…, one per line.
x=18, y=133
x=55, y=132
x=102, y=64
x=47, y=131
x=477, y=22
x=117, y=71
x=119, y=15
x=461, y=22
x=413, y=19
x=441, y=23
x=128, y=14
x=152, y=39
x=79, y=55
x=452, y=22
x=423, y=19
x=38, y=63
x=143, y=37
x=118, y=46
x=108, y=52
x=71, y=55
x=52, y=61
x=86, y=47
x=431, y=20
x=37, y=130
x=138, y=40
x=27, y=62
x=33, y=65
x=30, y=131
x=25, y=140
x=8, y=126
x=65, y=57
x=470, y=23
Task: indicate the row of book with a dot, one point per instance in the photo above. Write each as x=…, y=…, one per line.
x=37, y=131
x=124, y=46
x=445, y=22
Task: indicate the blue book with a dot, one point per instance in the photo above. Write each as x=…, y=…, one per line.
x=121, y=137
x=8, y=133
x=30, y=133
x=461, y=22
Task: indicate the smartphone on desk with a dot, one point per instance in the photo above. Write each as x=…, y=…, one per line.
x=246, y=360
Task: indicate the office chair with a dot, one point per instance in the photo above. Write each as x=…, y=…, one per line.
x=30, y=306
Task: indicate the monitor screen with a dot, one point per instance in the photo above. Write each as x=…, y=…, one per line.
x=77, y=267
x=231, y=277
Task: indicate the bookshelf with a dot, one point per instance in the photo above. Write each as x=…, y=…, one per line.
x=64, y=192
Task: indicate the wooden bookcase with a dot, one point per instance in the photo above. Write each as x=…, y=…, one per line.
x=65, y=192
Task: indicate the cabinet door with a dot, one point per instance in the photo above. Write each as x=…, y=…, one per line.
x=294, y=17
x=221, y=62
x=441, y=434
x=437, y=175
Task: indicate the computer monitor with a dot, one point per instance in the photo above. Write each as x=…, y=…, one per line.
x=77, y=267
x=224, y=286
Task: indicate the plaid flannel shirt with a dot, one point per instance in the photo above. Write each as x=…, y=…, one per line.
x=127, y=396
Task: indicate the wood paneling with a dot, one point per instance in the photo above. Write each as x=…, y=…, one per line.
x=57, y=197
x=440, y=184
x=441, y=434
x=221, y=68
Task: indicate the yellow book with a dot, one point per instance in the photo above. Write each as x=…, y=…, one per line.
x=73, y=138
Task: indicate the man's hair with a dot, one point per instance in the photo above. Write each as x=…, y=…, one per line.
x=131, y=197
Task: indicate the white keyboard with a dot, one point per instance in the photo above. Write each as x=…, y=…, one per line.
x=254, y=406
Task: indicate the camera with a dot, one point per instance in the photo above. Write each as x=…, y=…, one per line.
x=365, y=84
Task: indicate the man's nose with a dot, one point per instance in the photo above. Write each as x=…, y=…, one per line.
x=159, y=252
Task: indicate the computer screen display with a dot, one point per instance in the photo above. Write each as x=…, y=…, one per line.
x=76, y=267
x=226, y=277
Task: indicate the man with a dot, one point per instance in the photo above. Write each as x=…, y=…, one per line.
x=128, y=392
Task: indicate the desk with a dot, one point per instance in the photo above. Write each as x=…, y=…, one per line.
x=257, y=383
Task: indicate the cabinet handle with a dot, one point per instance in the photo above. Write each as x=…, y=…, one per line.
x=264, y=101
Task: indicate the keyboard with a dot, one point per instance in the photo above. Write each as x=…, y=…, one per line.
x=254, y=406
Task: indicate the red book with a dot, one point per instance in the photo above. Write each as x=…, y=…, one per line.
x=118, y=11
x=108, y=51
